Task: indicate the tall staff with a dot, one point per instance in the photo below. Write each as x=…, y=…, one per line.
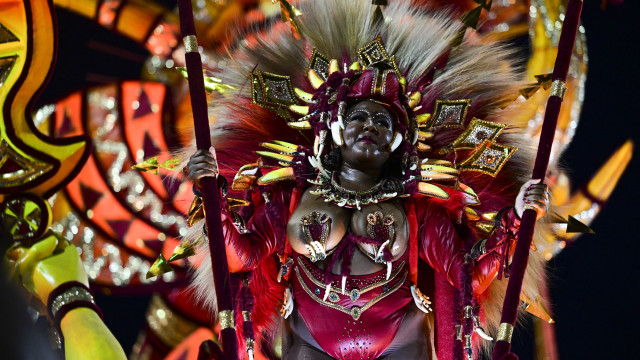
x=210, y=194
x=525, y=234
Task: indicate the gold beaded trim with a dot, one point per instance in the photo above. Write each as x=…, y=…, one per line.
x=355, y=311
x=360, y=291
x=190, y=44
x=167, y=325
x=226, y=319
x=505, y=332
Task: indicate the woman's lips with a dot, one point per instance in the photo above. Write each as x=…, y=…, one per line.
x=367, y=139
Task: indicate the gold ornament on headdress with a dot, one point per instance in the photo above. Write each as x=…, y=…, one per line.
x=489, y=158
x=449, y=113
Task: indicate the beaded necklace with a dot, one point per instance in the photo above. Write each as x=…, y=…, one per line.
x=332, y=192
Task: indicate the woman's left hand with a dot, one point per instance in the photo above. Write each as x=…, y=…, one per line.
x=533, y=195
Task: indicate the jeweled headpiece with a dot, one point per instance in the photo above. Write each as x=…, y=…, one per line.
x=375, y=76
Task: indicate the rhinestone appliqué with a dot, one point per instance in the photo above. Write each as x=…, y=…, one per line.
x=354, y=294
x=320, y=64
x=475, y=134
x=489, y=158
x=449, y=113
x=356, y=312
x=279, y=90
x=333, y=297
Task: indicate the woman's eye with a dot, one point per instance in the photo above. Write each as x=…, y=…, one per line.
x=384, y=123
x=356, y=118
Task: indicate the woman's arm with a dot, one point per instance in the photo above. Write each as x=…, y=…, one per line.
x=264, y=233
x=442, y=247
x=265, y=230
x=442, y=243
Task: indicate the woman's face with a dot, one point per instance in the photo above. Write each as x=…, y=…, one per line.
x=367, y=134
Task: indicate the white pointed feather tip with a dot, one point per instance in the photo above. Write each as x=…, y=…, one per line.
x=336, y=134
x=397, y=140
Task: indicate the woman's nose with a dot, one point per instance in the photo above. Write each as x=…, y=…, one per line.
x=370, y=126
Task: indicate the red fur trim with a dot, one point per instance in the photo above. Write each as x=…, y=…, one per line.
x=268, y=297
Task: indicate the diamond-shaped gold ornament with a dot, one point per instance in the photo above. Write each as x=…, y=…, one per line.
x=372, y=53
x=449, y=113
x=273, y=92
x=320, y=64
x=489, y=158
x=278, y=89
x=477, y=132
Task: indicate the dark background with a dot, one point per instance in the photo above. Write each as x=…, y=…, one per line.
x=594, y=283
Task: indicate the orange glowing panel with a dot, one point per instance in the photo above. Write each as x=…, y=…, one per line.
x=91, y=196
x=135, y=20
x=107, y=12
x=83, y=7
x=142, y=122
x=189, y=348
x=163, y=39
x=89, y=191
x=68, y=116
x=140, y=234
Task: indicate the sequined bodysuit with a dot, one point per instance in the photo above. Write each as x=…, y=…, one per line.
x=362, y=322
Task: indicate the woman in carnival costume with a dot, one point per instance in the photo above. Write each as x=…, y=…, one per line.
x=388, y=170
x=372, y=205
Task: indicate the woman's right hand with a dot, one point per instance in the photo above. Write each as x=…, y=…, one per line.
x=203, y=164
